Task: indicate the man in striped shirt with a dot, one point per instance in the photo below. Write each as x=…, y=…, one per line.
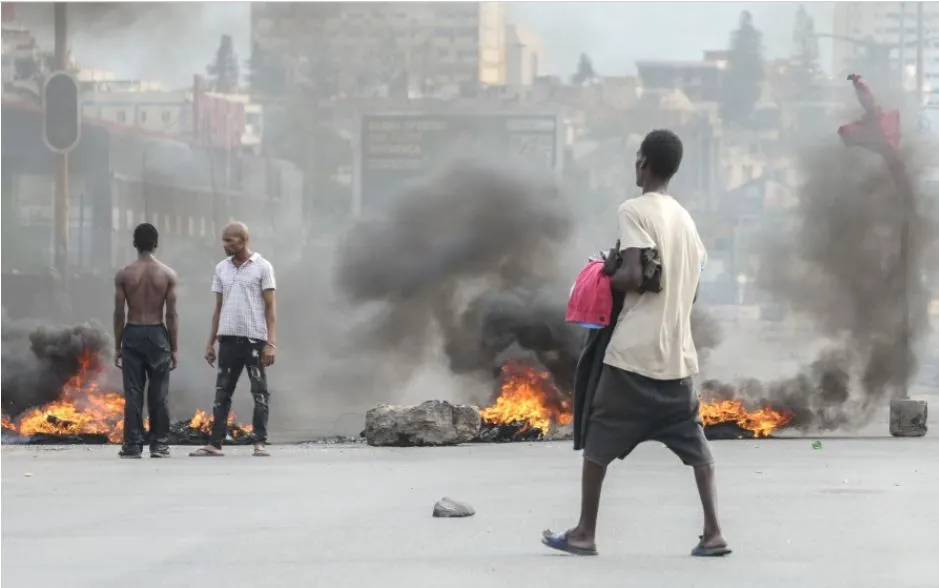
x=244, y=324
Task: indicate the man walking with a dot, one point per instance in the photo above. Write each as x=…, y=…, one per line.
x=645, y=390
x=244, y=324
x=146, y=347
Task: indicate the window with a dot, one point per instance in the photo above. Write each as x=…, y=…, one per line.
x=202, y=227
x=130, y=219
x=115, y=218
x=192, y=226
x=143, y=116
x=155, y=220
x=179, y=225
x=165, y=116
x=121, y=116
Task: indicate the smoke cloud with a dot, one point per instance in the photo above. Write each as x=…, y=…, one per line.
x=38, y=360
x=838, y=265
x=467, y=259
x=141, y=29
x=706, y=332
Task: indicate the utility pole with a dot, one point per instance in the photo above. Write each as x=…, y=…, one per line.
x=920, y=41
x=61, y=167
x=902, y=48
x=909, y=211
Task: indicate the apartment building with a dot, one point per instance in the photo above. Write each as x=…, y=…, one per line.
x=700, y=81
x=893, y=24
x=375, y=48
x=523, y=56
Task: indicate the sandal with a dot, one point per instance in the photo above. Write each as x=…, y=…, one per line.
x=714, y=551
x=260, y=451
x=559, y=541
x=207, y=452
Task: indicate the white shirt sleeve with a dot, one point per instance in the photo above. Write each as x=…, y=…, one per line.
x=216, y=282
x=267, y=277
x=632, y=235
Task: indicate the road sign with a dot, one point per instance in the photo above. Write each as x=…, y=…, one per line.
x=61, y=105
x=396, y=148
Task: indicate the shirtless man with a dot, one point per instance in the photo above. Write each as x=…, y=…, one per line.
x=146, y=347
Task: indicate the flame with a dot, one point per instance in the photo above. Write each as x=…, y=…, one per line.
x=528, y=395
x=202, y=421
x=761, y=422
x=84, y=408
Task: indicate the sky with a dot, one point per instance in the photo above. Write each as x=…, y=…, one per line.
x=169, y=42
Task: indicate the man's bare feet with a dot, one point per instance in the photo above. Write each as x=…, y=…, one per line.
x=578, y=538
x=715, y=540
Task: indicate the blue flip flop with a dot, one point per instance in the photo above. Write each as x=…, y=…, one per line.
x=702, y=551
x=559, y=541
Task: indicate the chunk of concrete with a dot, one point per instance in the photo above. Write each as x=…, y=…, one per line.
x=908, y=417
x=447, y=508
x=434, y=422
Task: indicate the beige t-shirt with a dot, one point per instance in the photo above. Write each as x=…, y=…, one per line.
x=653, y=335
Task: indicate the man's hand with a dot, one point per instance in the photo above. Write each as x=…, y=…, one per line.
x=267, y=358
x=210, y=355
x=174, y=360
x=118, y=359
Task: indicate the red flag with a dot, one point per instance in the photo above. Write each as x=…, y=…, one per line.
x=876, y=129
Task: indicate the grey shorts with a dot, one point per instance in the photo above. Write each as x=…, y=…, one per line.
x=629, y=409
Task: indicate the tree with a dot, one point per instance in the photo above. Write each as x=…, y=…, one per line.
x=224, y=71
x=744, y=75
x=264, y=77
x=585, y=71
x=805, y=66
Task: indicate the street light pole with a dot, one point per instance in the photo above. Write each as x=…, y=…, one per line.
x=920, y=41
x=61, y=216
x=902, y=49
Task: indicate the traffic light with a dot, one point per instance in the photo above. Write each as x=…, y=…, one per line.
x=61, y=121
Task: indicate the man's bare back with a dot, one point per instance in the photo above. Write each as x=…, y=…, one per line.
x=146, y=283
x=147, y=290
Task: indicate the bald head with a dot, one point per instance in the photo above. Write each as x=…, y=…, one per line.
x=235, y=239
x=237, y=229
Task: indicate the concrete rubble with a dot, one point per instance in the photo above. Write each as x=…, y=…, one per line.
x=433, y=422
x=447, y=508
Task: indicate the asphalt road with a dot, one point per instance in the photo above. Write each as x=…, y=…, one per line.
x=856, y=513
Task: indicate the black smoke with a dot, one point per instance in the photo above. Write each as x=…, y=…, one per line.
x=838, y=265
x=38, y=360
x=470, y=257
x=706, y=332
x=473, y=257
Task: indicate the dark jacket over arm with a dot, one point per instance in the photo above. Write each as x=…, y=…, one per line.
x=587, y=375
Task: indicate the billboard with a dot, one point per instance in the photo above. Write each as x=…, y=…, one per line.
x=396, y=149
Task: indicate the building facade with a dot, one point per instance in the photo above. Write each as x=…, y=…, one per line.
x=892, y=24
x=523, y=56
x=700, y=81
x=121, y=176
x=381, y=48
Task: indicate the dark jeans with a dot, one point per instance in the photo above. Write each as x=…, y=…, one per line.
x=234, y=355
x=146, y=355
